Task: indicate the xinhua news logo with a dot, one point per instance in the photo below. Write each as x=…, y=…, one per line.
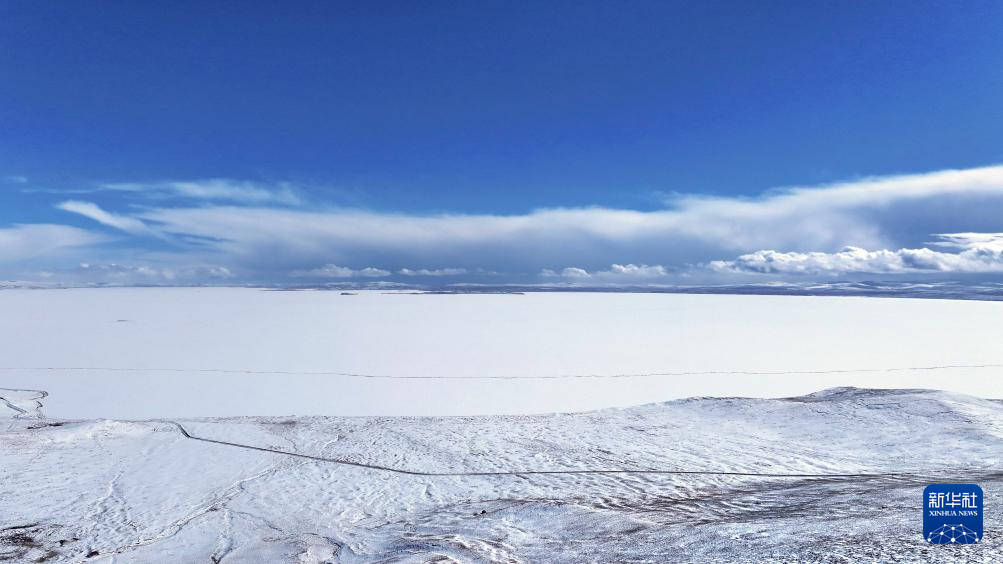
x=952, y=513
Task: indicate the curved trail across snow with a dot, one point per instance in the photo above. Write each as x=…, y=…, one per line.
x=892, y=475
x=41, y=394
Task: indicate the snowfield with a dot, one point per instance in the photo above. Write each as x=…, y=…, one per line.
x=835, y=476
x=242, y=425
x=137, y=353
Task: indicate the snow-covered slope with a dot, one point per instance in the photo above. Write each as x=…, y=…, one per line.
x=833, y=476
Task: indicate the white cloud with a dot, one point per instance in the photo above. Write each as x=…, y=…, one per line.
x=15, y=179
x=432, y=272
x=640, y=271
x=335, y=271
x=122, y=274
x=268, y=241
x=873, y=213
x=93, y=211
x=569, y=272
x=623, y=273
x=39, y=241
x=216, y=189
x=980, y=253
x=989, y=241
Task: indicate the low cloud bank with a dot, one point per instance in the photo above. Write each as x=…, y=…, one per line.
x=335, y=271
x=622, y=273
x=432, y=272
x=980, y=253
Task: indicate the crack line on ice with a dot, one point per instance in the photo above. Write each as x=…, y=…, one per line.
x=490, y=377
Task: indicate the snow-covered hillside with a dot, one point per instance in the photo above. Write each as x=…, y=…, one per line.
x=835, y=476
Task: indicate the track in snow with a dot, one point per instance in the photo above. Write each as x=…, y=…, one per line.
x=898, y=475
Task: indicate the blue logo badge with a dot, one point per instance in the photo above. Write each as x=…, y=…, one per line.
x=952, y=513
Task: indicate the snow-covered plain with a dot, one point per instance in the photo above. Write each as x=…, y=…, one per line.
x=140, y=491
x=193, y=425
x=182, y=352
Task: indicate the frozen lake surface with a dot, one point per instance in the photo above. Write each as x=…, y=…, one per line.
x=191, y=352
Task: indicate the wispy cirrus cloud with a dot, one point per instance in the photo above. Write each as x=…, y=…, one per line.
x=37, y=242
x=214, y=189
x=92, y=211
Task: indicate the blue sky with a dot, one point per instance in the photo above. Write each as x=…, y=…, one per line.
x=498, y=142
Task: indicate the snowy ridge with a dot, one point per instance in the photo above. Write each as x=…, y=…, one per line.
x=141, y=491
